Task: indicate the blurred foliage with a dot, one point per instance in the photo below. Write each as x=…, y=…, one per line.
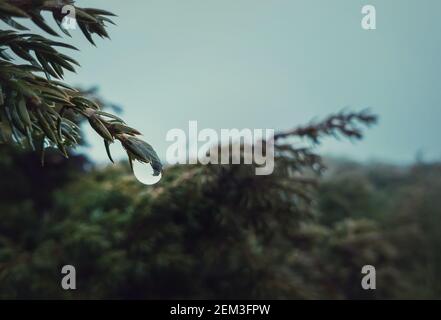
x=216, y=231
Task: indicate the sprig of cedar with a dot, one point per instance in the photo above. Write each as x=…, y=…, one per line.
x=34, y=100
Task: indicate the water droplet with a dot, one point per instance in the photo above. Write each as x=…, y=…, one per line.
x=144, y=173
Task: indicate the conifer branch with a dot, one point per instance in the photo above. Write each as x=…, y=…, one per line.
x=33, y=100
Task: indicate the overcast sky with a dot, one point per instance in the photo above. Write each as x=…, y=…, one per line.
x=270, y=64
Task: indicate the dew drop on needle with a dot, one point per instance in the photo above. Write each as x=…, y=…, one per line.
x=144, y=173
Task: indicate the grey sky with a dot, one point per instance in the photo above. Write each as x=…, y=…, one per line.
x=271, y=64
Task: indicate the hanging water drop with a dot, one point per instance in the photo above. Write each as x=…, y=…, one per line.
x=144, y=173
